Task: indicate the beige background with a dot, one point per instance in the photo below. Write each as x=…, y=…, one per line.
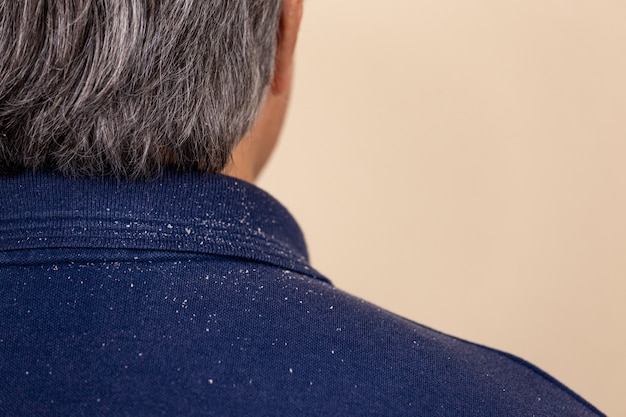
x=462, y=163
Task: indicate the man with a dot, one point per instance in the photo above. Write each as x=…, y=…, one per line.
x=137, y=280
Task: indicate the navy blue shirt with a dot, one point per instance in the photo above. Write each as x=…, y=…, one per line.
x=192, y=295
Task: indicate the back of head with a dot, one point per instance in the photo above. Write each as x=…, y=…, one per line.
x=124, y=88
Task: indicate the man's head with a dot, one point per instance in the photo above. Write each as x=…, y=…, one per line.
x=124, y=88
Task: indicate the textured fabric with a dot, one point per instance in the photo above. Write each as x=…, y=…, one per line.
x=192, y=296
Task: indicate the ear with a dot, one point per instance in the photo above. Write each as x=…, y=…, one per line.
x=291, y=16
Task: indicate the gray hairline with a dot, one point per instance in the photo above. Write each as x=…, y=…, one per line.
x=100, y=87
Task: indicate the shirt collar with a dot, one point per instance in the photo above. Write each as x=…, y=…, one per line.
x=180, y=212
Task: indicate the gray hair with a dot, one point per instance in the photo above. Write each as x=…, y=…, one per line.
x=126, y=87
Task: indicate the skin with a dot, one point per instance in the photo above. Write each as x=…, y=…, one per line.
x=254, y=150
